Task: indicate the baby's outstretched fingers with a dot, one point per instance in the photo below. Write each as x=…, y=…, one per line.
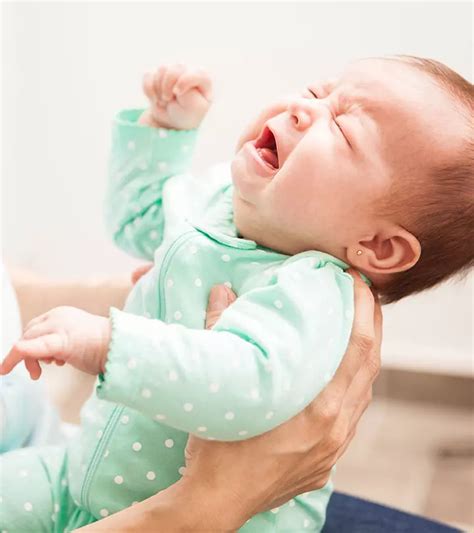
x=33, y=368
x=39, y=348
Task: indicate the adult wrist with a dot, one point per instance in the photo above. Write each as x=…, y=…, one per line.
x=205, y=508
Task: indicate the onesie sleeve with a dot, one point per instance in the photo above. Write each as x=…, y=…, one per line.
x=266, y=358
x=142, y=159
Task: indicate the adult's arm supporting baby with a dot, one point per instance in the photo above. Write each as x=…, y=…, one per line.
x=142, y=160
x=266, y=358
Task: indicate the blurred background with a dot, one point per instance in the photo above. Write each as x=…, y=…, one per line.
x=69, y=67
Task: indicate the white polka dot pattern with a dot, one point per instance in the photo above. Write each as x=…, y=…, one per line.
x=218, y=402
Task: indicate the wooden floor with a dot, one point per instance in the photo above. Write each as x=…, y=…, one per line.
x=414, y=456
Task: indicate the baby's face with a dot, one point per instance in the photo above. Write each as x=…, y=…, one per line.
x=340, y=145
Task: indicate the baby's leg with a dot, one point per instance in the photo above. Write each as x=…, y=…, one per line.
x=34, y=494
x=26, y=415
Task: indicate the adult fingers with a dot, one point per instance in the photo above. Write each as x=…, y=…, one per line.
x=140, y=271
x=362, y=339
x=219, y=299
x=378, y=323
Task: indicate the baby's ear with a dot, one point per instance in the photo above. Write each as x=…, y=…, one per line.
x=392, y=250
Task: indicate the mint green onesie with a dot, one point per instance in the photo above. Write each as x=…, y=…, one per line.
x=266, y=358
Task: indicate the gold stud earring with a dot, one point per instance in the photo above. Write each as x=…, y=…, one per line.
x=359, y=252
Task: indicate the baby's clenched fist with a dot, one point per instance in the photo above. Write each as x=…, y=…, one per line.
x=179, y=97
x=62, y=335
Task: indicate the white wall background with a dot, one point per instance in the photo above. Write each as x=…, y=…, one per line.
x=67, y=68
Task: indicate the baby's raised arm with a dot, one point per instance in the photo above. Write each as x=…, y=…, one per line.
x=148, y=148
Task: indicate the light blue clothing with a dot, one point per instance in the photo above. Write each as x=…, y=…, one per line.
x=266, y=358
x=26, y=416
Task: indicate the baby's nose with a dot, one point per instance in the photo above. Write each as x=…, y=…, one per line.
x=304, y=111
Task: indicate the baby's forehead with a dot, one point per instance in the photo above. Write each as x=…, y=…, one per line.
x=413, y=114
x=379, y=83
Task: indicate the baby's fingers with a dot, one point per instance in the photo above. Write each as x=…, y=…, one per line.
x=169, y=80
x=152, y=84
x=197, y=78
x=33, y=368
x=39, y=348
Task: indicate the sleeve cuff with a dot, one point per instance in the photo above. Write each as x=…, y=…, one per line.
x=155, y=145
x=123, y=377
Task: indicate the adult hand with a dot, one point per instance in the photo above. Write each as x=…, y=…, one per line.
x=298, y=455
x=140, y=271
x=215, y=493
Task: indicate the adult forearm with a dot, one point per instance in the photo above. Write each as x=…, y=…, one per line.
x=180, y=508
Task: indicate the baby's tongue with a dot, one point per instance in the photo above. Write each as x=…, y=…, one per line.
x=269, y=156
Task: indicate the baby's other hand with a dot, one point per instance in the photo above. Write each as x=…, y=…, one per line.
x=62, y=335
x=179, y=97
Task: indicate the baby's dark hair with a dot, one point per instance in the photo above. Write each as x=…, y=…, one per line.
x=446, y=235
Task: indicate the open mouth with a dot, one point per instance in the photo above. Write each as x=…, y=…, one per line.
x=267, y=149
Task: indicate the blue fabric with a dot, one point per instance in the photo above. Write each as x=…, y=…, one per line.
x=347, y=514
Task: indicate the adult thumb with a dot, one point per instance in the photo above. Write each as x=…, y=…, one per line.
x=219, y=299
